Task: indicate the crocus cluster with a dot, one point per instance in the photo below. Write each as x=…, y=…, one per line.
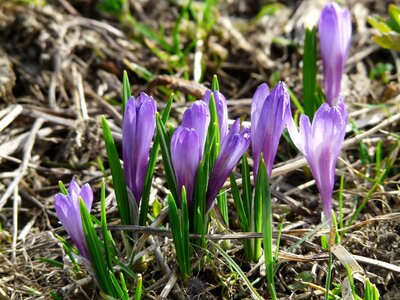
x=188, y=141
x=320, y=143
x=334, y=30
x=137, y=133
x=68, y=212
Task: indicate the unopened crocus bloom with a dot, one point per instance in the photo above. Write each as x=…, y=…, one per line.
x=334, y=29
x=68, y=212
x=320, y=143
x=187, y=146
x=235, y=145
x=268, y=114
x=222, y=111
x=137, y=133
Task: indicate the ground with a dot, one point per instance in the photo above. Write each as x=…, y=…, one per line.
x=61, y=66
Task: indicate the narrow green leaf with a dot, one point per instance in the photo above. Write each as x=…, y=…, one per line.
x=166, y=156
x=125, y=295
x=95, y=250
x=104, y=229
x=62, y=188
x=54, y=295
x=126, y=91
x=52, y=262
x=222, y=200
x=239, y=204
x=139, y=287
x=185, y=232
x=176, y=233
x=246, y=186
x=117, y=173
x=310, y=72
x=262, y=189
x=215, y=84
x=200, y=220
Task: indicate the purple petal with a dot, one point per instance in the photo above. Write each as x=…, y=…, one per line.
x=186, y=156
x=197, y=117
x=257, y=103
x=269, y=126
x=145, y=127
x=334, y=29
x=86, y=194
x=137, y=133
x=321, y=143
x=68, y=211
x=232, y=150
x=128, y=140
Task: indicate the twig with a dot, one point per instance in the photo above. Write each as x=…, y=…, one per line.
x=25, y=161
x=11, y=114
x=15, y=225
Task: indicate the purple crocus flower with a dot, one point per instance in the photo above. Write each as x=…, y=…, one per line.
x=334, y=29
x=68, y=212
x=320, y=143
x=187, y=146
x=137, y=133
x=222, y=111
x=235, y=145
x=268, y=114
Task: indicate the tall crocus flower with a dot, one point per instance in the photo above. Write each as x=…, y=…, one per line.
x=334, y=29
x=235, y=145
x=268, y=114
x=187, y=146
x=137, y=133
x=320, y=143
x=222, y=111
x=68, y=212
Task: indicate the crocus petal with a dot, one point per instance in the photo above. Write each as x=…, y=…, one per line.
x=235, y=145
x=197, y=117
x=186, y=156
x=137, y=133
x=269, y=123
x=68, y=211
x=257, y=103
x=334, y=29
x=128, y=141
x=222, y=111
x=320, y=143
x=145, y=126
x=86, y=194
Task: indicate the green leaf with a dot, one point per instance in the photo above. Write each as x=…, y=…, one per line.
x=262, y=191
x=104, y=229
x=310, y=72
x=126, y=91
x=379, y=24
x=166, y=156
x=222, y=200
x=175, y=223
x=96, y=254
x=52, y=262
x=394, y=13
x=185, y=231
x=117, y=173
x=215, y=84
x=139, y=287
x=388, y=40
x=62, y=188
